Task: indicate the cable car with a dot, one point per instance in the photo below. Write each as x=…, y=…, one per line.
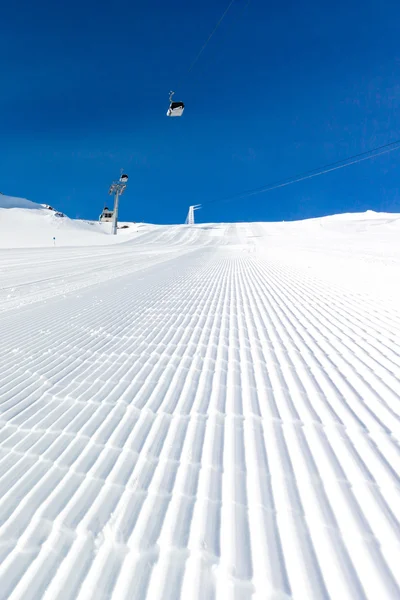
x=106, y=216
x=175, y=108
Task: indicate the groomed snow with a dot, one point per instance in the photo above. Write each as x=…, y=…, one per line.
x=198, y=413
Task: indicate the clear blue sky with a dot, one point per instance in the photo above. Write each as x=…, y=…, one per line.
x=281, y=88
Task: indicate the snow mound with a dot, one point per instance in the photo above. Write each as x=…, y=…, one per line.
x=26, y=224
x=11, y=202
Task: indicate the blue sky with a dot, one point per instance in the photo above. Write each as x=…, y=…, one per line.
x=281, y=88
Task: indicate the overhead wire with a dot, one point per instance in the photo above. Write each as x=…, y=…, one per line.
x=227, y=9
x=210, y=36
x=328, y=168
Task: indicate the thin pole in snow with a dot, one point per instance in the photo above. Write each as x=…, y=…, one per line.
x=115, y=214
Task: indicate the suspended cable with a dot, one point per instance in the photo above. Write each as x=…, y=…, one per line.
x=210, y=36
x=341, y=164
x=206, y=42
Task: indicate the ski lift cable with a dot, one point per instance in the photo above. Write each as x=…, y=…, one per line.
x=210, y=36
x=227, y=9
x=176, y=108
x=341, y=164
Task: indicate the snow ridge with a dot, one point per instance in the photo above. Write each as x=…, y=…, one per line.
x=206, y=421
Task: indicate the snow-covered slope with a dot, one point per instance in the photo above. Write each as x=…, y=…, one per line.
x=26, y=224
x=18, y=203
x=207, y=412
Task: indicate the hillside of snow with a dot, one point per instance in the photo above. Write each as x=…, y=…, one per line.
x=206, y=412
x=26, y=224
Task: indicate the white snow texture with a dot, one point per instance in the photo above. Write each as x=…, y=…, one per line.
x=199, y=412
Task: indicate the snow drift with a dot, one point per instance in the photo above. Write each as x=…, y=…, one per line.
x=26, y=224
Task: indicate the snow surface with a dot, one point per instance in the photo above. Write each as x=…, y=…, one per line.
x=26, y=224
x=206, y=412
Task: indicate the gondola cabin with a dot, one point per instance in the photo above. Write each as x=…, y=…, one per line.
x=106, y=216
x=175, y=108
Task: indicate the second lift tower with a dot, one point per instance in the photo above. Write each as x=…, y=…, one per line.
x=117, y=188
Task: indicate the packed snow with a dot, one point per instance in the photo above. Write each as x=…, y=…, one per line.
x=26, y=224
x=199, y=412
